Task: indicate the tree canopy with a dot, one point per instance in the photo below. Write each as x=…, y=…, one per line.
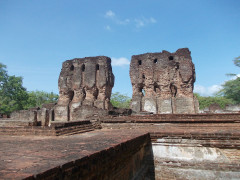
x=236, y=61
x=38, y=98
x=231, y=88
x=120, y=100
x=207, y=101
x=13, y=96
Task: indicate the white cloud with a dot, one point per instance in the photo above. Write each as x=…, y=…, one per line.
x=211, y=90
x=123, y=22
x=207, y=91
x=138, y=22
x=214, y=88
x=144, y=21
x=110, y=14
x=152, y=20
x=122, y=61
x=108, y=28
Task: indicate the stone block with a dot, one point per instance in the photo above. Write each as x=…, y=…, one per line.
x=83, y=112
x=136, y=104
x=184, y=105
x=150, y=105
x=61, y=113
x=164, y=106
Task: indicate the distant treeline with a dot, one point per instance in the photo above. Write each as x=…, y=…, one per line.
x=13, y=96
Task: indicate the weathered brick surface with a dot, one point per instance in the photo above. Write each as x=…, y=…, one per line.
x=232, y=154
x=56, y=128
x=228, y=134
x=186, y=172
x=95, y=155
x=37, y=116
x=163, y=82
x=213, y=131
x=173, y=118
x=85, y=86
x=79, y=155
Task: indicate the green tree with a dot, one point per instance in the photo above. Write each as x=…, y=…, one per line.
x=13, y=96
x=207, y=101
x=3, y=74
x=120, y=100
x=236, y=62
x=231, y=88
x=38, y=98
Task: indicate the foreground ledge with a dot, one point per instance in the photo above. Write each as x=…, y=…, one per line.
x=94, y=155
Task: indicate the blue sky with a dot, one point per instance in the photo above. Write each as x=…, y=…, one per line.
x=37, y=36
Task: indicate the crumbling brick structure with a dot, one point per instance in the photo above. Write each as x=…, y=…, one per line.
x=163, y=82
x=85, y=86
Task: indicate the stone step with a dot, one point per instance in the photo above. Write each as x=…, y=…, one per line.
x=45, y=131
x=72, y=129
x=76, y=132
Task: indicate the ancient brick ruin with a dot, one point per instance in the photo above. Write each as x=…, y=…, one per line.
x=85, y=86
x=78, y=138
x=163, y=82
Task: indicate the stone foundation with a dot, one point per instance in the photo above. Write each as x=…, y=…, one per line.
x=90, y=156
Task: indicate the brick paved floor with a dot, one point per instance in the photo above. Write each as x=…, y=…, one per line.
x=22, y=156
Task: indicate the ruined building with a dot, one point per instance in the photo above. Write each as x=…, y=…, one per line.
x=163, y=82
x=158, y=146
x=85, y=86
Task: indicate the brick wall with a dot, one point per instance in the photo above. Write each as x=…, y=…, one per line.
x=129, y=160
x=172, y=118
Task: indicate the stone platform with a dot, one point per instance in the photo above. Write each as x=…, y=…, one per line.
x=178, y=146
x=184, y=148
x=224, y=135
x=101, y=154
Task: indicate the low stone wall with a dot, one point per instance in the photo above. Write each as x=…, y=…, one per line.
x=188, y=159
x=26, y=115
x=38, y=116
x=190, y=150
x=174, y=118
x=216, y=109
